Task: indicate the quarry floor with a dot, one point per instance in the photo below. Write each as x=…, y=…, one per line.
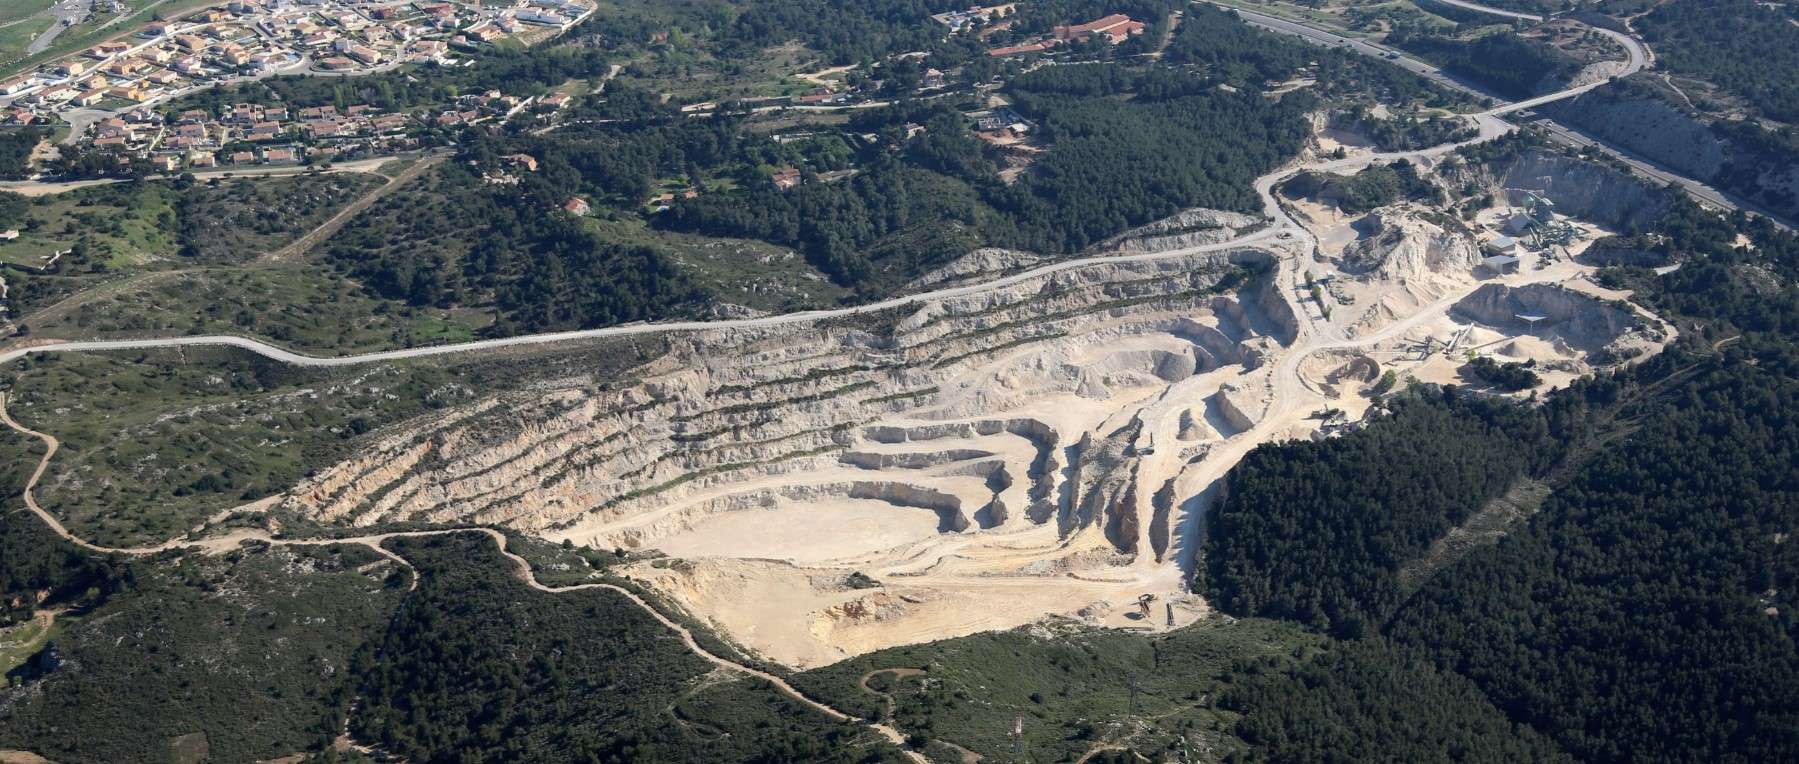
x=773, y=578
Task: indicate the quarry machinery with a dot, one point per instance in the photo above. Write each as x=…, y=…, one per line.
x=1545, y=230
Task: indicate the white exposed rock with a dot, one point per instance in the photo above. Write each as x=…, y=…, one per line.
x=1407, y=241
x=1189, y=228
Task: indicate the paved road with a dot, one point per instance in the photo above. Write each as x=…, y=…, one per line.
x=67, y=12
x=288, y=356
x=46, y=187
x=1638, y=57
x=1489, y=9
x=1491, y=126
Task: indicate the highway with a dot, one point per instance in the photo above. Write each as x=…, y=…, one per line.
x=1638, y=57
x=1282, y=227
x=1489, y=122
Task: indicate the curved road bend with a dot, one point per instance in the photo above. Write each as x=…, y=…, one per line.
x=1639, y=57
x=374, y=541
x=1490, y=127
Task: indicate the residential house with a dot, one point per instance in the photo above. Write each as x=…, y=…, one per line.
x=1115, y=28
x=365, y=54
x=387, y=123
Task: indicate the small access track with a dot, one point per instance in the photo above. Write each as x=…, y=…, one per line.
x=324, y=230
x=374, y=541
x=1490, y=123
x=1281, y=228
x=898, y=673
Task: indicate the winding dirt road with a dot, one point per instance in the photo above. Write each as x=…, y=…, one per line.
x=375, y=541
x=1491, y=126
x=1312, y=338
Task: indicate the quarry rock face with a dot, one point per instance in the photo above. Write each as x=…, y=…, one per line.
x=1571, y=317
x=1581, y=189
x=972, y=266
x=1643, y=115
x=737, y=418
x=1408, y=241
x=1189, y=228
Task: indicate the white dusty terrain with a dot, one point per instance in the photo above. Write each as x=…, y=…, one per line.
x=989, y=458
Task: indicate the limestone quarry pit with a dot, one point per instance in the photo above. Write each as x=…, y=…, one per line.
x=1046, y=447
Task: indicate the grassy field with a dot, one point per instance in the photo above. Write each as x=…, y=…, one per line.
x=738, y=271
x=116, y=227
x=153, y=443
x=14, y=39
x=693, y=74
x=13, y=10
x=99, y=30
x=21, y=641
x=299, y=306
x=155, y=258
x=122, y=225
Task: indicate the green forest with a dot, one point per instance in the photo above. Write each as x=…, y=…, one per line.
x=1643, y=611
x=1511, y=65
x=1126, y=144
x=1372, y=187
x=1747, y=48
x=476, y=667
x=1642, y=603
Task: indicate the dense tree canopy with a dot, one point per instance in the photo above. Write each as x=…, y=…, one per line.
x=1748, y=48
x=1317, y=532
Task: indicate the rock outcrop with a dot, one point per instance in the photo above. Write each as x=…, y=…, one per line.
x=1579, y=188
x=1407, y=241
x=892, y=407
x=1652, y=119
x=1190, y=228
x=1576, y=319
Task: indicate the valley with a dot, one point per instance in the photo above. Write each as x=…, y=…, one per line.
x=778, y=396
